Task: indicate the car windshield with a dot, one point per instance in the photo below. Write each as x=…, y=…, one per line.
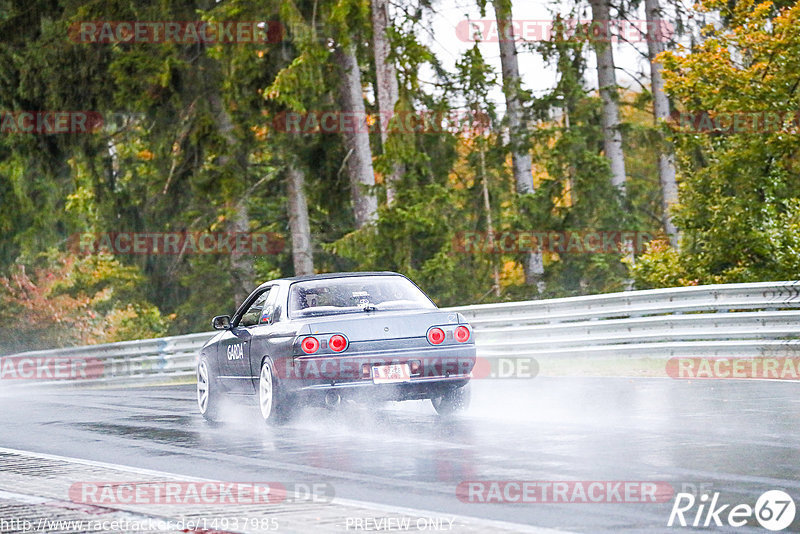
x=354, y=295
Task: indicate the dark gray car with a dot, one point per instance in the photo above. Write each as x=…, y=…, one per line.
x=324, y=338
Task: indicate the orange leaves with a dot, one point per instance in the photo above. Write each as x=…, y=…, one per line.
x=41, y=313
x=70, y=302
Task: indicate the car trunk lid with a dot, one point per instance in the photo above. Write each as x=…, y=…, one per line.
x=382, y=325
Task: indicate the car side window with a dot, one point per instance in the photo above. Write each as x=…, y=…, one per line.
x=271, y=311
x=258, y=313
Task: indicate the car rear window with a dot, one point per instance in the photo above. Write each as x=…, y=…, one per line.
x=333, y=296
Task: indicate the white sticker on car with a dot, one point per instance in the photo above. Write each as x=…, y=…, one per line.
x=235, y=352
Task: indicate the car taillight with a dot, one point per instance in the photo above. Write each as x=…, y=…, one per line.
x=310, y=345
x=435, y=336
x=337, y=343
x=462, y=334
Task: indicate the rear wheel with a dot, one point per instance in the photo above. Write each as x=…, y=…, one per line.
x=453, y=401
x=207, y=391
x=273, y=407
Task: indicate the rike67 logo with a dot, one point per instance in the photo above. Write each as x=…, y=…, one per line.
x=774, y=510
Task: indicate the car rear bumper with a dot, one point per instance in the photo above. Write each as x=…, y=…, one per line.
x=350, y=375
x=416, y=388
x=421, y=387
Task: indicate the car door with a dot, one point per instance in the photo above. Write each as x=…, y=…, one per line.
x=234, y=346
x=258, y=321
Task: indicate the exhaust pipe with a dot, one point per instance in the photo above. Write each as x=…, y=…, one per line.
x=332, y=399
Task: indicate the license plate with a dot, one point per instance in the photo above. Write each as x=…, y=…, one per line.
x=389, y=374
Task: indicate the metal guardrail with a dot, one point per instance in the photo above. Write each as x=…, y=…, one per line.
x=733, y=320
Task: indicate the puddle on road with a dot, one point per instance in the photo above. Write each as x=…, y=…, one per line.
x=146, y=433
x=183, y=420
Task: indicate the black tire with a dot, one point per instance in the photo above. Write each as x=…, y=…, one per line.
x=208, y=393
x=454, y=401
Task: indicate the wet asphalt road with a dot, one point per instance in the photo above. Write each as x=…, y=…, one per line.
x=739, y=438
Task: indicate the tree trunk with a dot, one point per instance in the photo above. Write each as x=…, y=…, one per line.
x=386, y=84
x=359, y=154
x=607, y=83
x=520, y=153
x=487, y=207
x=302, y=253
x=666, y=159
x=517, y=129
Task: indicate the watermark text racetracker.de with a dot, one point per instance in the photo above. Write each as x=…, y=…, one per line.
x=121, y=243
x=395, y=122
x=732, y=122
x=561, y=242
x=574, y=30
x=563, y=492
x=198, y=493
x=172, y=31
x=50, y=122
x=51, y=368
x=718, y=367
x=45, y=368
x=420, y=368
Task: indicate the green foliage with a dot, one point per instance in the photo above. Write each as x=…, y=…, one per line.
x=416, y=238
x=739, y=190
x=191, y=145
x=575, y=191
x=64, y=300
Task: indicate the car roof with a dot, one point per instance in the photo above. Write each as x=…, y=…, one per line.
x=326, y=276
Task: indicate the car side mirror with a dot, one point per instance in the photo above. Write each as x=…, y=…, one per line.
x=221, y=322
